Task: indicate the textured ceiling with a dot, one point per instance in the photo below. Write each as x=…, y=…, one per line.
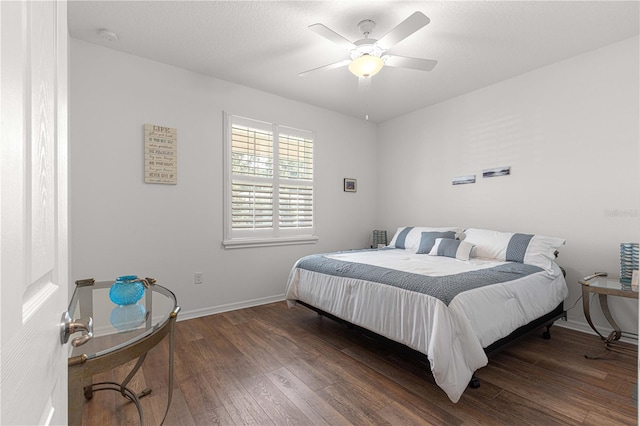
x=265, y=44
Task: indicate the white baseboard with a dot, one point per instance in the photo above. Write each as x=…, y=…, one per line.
x=197, y=313
x=584, y=327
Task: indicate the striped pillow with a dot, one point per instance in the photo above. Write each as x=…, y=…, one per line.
x=537, y=250
x=451, y=248
x=428, y=239
x=408, y=237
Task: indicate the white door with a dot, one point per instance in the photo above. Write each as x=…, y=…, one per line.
x=33, y=211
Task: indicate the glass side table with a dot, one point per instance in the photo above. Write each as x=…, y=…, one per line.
x=114, y=336
x=605, y=287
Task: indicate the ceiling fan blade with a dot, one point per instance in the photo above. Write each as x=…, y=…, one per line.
x=326, y=67
x=412, y=63
x=403, y=30
x=331, y=35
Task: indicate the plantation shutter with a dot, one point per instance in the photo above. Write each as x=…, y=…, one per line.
x=252, y=175
x=270, y=170
x=296, y=179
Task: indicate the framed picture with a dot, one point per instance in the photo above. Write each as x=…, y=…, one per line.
x=350, y=185
x=496, y=171
x=462, y=180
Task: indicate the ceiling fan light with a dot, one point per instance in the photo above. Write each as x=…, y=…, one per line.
x=366, y=65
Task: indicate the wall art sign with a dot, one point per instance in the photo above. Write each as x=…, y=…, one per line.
x=160, y=154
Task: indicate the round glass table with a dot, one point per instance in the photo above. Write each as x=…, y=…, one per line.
x=113, y=335
x=603, y=286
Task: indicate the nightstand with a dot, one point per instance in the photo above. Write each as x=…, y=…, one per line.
x=605, y=287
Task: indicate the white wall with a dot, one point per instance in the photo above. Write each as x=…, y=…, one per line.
x=120, y=225
x=569, y=131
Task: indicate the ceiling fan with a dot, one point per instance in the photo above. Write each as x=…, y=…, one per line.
x=368, y=55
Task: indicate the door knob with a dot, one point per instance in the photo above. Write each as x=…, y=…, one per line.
x=70, y=326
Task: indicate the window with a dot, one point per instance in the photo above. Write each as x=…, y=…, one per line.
x=268, y=184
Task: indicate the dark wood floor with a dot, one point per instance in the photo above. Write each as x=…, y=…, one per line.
x=274, y=365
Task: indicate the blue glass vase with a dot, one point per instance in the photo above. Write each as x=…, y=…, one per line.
x=126, y=290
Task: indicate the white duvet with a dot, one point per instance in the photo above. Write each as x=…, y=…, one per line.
x=452, y=337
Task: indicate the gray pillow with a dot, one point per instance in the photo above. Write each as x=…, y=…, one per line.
x=428, y=239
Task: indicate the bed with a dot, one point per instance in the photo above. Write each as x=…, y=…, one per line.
x=451, y=295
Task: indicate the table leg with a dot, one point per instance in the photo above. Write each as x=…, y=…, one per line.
x=587, y=313
x=133, y=372
x=616, y=333
x=172, y=324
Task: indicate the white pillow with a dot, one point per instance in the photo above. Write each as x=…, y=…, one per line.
x=488, y=244
x=408, y=237
x=451, y=248
x=542, y=251
x=537, y=250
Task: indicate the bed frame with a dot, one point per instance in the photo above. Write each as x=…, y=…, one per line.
x=546, y=320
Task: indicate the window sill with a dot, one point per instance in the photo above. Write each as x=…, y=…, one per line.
x=267, y=242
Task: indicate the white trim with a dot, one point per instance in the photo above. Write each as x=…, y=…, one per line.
x=197, y=313
x=227, y=177
x=265, y=242
x=585, y=328
x=276, y=181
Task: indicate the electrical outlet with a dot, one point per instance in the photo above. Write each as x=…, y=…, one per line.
x=197, y=278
